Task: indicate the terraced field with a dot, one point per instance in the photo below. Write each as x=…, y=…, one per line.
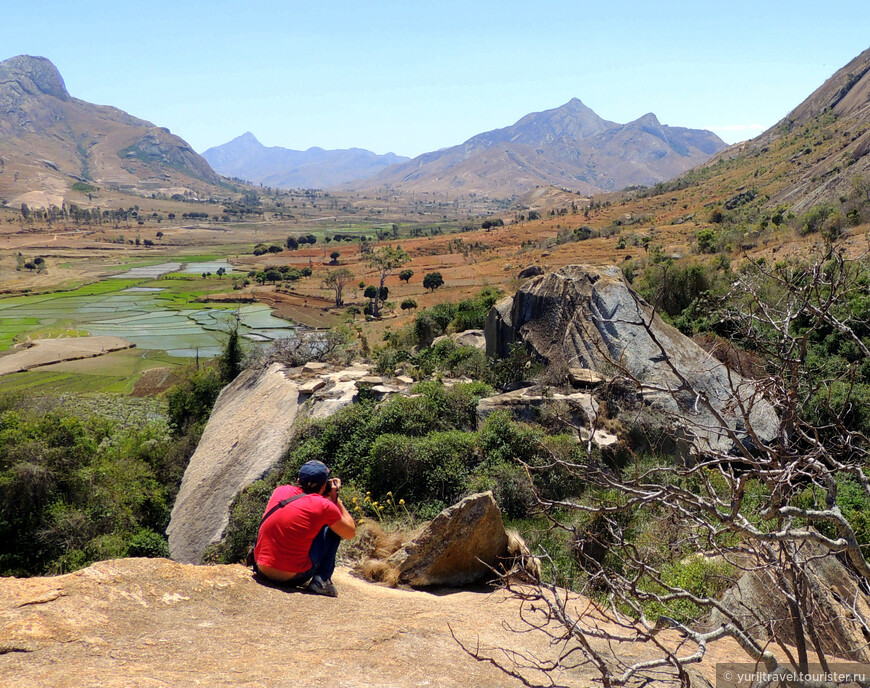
x=160, y=316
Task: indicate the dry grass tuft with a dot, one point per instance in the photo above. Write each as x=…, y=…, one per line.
x=371, y=550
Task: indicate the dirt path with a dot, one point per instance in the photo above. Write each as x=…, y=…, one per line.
x=44, y=352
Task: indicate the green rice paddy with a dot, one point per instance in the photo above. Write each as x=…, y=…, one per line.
x=159, y=315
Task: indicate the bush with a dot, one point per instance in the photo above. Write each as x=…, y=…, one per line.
x=190, y=402
x=74, y=490
x=147, y=543
x=814, y=219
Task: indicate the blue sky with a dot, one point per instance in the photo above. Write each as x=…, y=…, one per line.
x=410, y=77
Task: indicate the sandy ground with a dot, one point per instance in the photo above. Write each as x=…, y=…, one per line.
x=44, y=352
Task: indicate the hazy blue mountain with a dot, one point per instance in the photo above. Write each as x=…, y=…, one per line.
x=569, y=146
x=246, y=158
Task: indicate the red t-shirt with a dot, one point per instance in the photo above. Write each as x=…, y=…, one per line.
x=286, y=536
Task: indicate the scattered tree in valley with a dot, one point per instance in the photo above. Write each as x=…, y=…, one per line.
x=432, y=281
x=337, y=280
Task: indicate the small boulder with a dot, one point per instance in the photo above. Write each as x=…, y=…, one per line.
x=314, y=367
x=473, y=338
x=312, y=386
x=457, y=547
x=584, y=377
x=531, y=271
x=371, y=380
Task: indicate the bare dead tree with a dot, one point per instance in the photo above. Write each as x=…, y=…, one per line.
x=763, y=504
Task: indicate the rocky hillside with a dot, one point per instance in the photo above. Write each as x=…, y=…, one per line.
x=569, y=146
x=50, y=141
x=822, y=145
x=246, y=158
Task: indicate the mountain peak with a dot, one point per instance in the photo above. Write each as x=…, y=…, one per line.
x=34, y=75
x=247, y=137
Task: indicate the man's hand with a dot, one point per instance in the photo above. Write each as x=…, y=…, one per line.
x=334, y=487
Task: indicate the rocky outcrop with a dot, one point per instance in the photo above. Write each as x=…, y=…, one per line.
x=527, y=404
x=582, y=316
x=154, y=623
x=460, y=546
x=839, y=603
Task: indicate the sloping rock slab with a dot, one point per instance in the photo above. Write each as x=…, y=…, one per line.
x=756, y=601
x=588, y=317
x=457, y=547
x=249, y=430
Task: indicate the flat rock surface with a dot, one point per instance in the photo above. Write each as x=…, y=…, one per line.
x=48, y=351
x=141, y=622
x=154, y=623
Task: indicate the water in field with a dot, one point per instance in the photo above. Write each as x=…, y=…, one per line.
x=211, y=266
x=156, y=271
x=149, y=271
x=145, y=319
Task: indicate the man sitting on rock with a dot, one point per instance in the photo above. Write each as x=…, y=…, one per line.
x=298, y=541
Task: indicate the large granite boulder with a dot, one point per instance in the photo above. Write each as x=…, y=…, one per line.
x=248, y=432
x=582, y=316
x=460, y=546
x=839, y=601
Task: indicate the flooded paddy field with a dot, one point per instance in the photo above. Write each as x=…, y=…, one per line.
x=160, y=316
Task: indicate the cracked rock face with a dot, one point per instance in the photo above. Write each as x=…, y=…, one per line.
x=34, y=75
x=582, y=316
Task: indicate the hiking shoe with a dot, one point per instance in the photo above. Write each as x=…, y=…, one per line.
x=322, y=587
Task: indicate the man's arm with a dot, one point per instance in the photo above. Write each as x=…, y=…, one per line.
x=344, y=527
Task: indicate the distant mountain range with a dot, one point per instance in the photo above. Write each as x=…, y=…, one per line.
x=246, y=158
x=50, y=141
x=569, y=146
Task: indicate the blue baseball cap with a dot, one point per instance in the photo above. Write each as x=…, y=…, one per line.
x=313, y=474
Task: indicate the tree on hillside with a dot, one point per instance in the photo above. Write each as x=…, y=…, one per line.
x=385, y=261
x=337, y=280
x=406, y=275
x=432, y=281
x=778, y=508
x=408, y=304
x=230, y=360
x=292, y=244
x=334, y=256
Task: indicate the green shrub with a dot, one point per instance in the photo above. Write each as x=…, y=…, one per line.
x=147, y=543
x=190, y=402
x=697, y=575
x=74, y=490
